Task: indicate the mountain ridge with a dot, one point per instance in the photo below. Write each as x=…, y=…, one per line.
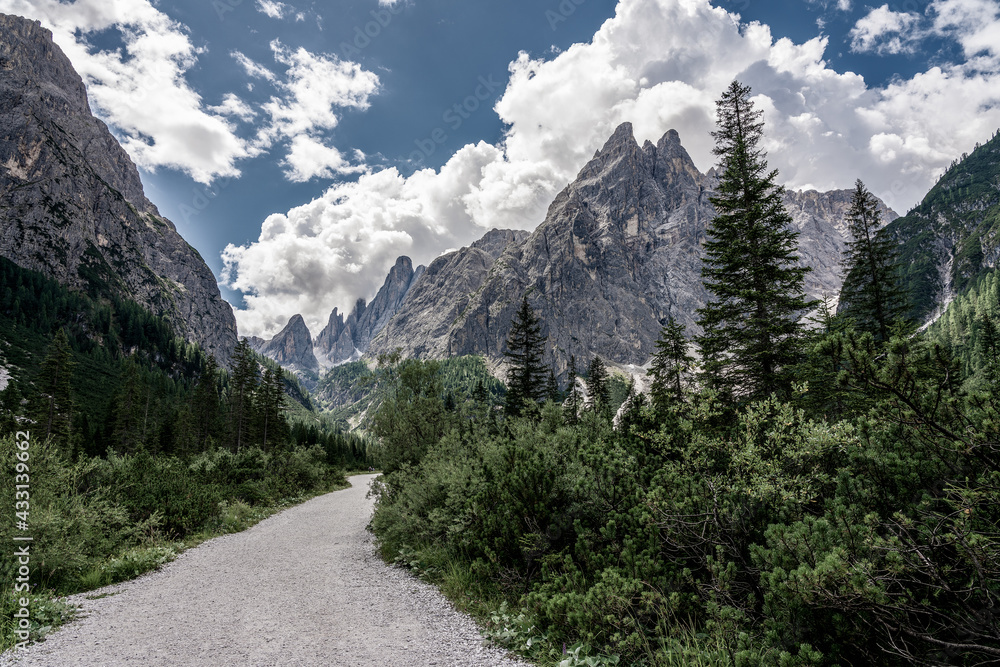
x=618, y=253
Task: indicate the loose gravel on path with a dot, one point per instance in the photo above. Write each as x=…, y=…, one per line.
x=302, y=588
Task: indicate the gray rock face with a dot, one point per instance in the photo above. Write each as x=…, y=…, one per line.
x=342, y=340
x=72, y=204
x=618, y=253
x=441, y=296
x=292, y=347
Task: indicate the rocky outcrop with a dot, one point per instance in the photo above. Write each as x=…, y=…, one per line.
x=346, y=340
x=72, y=204
x=618, y=253
x=423, y=325
x=292, y=347
x=821, y=220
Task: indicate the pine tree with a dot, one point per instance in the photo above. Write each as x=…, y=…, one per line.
x=205, y=409
x=56, y=414
x=671, y=366
x=871, y=295
x=552, y=387
x=751, y=326
x=270, y=406
x=989, y=349
x=598, y=390
x=526, y=375
x=129, y=409
x=571, y=409
x=242, y=386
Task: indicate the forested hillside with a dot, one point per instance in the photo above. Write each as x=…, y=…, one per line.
x=950, y=238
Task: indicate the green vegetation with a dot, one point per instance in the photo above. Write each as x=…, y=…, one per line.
x=968, y=328
x=777, y=537
x=357, y=390
x=140, y=445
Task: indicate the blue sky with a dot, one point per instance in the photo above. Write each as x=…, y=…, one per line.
x=302, y=146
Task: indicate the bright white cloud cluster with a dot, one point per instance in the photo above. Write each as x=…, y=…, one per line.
x=315, y=87
x=660, y=64
x=973, y=24
x=310, y=97
x=141, y=90
x=883, y=31
x=275, y=10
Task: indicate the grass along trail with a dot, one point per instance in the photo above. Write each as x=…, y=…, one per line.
x=303, y=587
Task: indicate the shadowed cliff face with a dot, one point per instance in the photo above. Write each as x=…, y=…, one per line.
x=292, y=347
x=72, y=204
x=618, y=253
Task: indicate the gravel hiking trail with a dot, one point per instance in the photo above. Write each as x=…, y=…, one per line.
x=302, y=588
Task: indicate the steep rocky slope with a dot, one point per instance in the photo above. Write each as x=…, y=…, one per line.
x=72, y=204
x=618, y=253
x=951, y=238
x=292, y=347
x=344, y=340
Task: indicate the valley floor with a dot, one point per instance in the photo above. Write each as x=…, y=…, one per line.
x=304, y=587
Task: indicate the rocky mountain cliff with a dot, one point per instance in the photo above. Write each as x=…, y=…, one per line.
x=292, y=347
x=618, y=253
x=953, y=236
x=72, y=204
x=347, y=340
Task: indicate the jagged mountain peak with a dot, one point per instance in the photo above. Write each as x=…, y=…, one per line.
x=292, y=347
x=495, y=241
x=345, y=340
x=617, y=254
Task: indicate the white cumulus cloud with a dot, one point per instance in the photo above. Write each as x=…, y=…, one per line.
x=275, y=10
x=141, y=90
x=316, y=87
x=973, y=24
x=883, y=30
x=308, y=158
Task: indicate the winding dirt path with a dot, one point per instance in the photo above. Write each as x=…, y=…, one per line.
x=301, y=588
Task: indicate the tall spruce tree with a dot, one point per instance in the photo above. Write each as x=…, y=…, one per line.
x=872, y=295
x=130, y=409
x=526, y=376
x=552, y=391
x=205, y=409
x=242, y=386
x=56, y=412
x=571, y=408
x=598, y=390
x=671, y=366
x=751, y=325
x=272, y=427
